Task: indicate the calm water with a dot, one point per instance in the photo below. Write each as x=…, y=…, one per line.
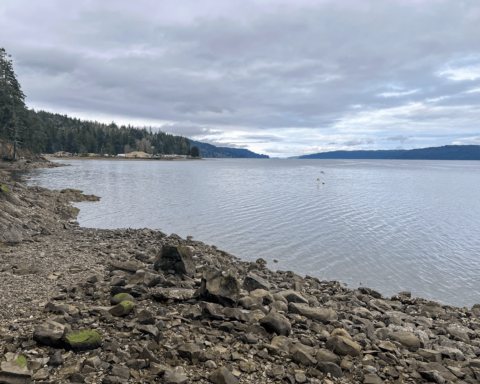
x=389, y=225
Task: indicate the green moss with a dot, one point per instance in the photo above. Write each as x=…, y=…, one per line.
x=128, y=305
x=4, y=189
x=21, y=361
x=228, y=278
x=84, y=337
x=77, y=191
x=121, y=296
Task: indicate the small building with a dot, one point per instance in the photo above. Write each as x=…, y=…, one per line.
x=138, y=155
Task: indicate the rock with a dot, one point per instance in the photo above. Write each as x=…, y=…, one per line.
x=49, y=333
x=262, y=296
x=122, y=309
x=171, y=377
x=372, y=378
x=14, y=370
x=175, y=258
x=407, y=339
x=253, y=282
x=282, y=343
x=222, y=376
x=430, y=355
x=303, y=358
x=128, y=266
x=326, y=356
x=211, y=310
x=121, y=372
x=189, y=351
x=117, y=299
x=294, y=297
x=343, y=346
x=316, y=313
x=330, y=368
x=56, y=359
x=83, y=340
x=276, y=323
x=220, y=288
x=176, y=294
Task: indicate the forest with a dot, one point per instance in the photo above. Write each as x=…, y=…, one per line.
x=45, y=132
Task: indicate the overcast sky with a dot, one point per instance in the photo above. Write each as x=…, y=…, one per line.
x=277, y=77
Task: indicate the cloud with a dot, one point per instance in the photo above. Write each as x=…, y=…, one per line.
x=275, y=75
x=403, y=139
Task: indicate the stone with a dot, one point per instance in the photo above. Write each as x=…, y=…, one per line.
x=211, y=310
x=276, y=323
x=372, y=378
x=222, y=376
x=326, y=356
x=171, y=377
x=253, y=282
x=262, y=296
x=294, y=297
x=49, y=333
x=121, y=372
x=122, y=309
x=128, y=266
x=83, y=340
x=282, y=343
x=175, y=294
x=430, y=355
x=14, y=370
x=407, y=339
x=189, y=351
x=145, y=317
x=315, y=313
x=343, y=346
x=117, y=299
x=56, y=359
x=328, y=367
x=220, y=288
x=176, y=258
x=303, y=358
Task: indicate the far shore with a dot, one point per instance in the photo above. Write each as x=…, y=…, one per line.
x=120, y=158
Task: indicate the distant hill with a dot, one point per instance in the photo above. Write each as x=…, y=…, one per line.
x=209, y=150
x=447, y=152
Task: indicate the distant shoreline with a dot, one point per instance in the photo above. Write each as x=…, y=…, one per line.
x=119, y=158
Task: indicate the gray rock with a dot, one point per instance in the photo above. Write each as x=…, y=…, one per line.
x=220, y=288
x=189, y=351
x=326, y=356
x=171, y=377
x=176, y=294
x=276, y=323
x=253, y=282
x=343, y=346
x=316, y=313
x=331, y=368
x=294, y=297
x=176, y=258
x=222, y=376
x=49, y=333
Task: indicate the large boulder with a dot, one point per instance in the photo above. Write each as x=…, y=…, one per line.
x=49, y=333
x=276, y=323
x=316, y=313
x=294, y=297
x=176, y=258
x=407, y=339
x=220, y=288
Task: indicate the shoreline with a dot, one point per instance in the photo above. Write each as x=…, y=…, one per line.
x=205, y=317
x=49, y=158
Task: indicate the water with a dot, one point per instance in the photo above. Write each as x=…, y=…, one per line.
x=389, y=225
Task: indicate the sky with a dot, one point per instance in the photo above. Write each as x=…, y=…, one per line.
x=283, y=78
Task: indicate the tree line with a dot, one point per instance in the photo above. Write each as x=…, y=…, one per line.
x=45, y=132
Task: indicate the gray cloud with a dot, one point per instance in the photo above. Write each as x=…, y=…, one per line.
x=401, y=138
x=258, y=71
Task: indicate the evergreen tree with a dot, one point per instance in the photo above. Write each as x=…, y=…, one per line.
x=12, y=103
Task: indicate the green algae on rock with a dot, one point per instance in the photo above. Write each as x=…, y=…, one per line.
x=117, y=299
x=83, y=340
x=4, y=189
x=122, y=309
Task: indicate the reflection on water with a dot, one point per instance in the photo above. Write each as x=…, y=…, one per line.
x=390, y=225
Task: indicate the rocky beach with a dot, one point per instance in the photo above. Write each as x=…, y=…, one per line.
x=139, y=306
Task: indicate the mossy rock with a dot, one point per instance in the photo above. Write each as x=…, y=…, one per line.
x=117, y=299
x=4, y=189
x=122, y=309
x=83, y=340
x=21, y=361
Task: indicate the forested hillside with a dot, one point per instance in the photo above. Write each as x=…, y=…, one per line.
x=48, y=132
x=209, y=150
x=446, y=152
